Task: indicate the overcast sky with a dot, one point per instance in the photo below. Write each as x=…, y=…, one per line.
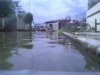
x=45, y=10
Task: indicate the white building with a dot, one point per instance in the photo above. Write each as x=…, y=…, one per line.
x=20, y=22
x=52, y=26
x=93, y=12
x=55, y=25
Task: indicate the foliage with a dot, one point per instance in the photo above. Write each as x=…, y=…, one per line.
x=16, y=5
x=6, y=8
x=62, y=29
x=28, y=18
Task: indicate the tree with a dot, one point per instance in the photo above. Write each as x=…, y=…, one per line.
x=28, y=18
x=6, y=8
x=18, y=7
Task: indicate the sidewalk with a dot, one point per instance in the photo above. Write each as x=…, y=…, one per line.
x=91, y=35
x=90, y=41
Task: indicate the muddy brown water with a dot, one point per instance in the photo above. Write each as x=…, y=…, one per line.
x=43, y=51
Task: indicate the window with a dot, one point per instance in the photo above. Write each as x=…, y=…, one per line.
x=51, y=25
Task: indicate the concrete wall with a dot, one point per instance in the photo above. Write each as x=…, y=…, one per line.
x=10, y=22
x=14, y=22
x=54, y=26
x=91, y=20
x=20, y=23
x=0, y=23
x=93, y=9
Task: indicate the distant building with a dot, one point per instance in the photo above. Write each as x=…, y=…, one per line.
x=55, y=24
x=39, y=25
x=93, y=12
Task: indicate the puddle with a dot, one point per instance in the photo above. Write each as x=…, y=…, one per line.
x=52, y=46
x=47, y=51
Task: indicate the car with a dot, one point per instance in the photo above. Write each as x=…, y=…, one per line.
x=41, y=28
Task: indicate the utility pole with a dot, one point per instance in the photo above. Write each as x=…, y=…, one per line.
x=29, y=5
x=71, y=8
x=76, y=17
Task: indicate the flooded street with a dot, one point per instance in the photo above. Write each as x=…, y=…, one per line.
x=44, y=51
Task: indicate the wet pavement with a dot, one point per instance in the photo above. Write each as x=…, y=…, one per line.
x=44, y=51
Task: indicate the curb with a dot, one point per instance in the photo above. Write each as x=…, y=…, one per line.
x=91, y=45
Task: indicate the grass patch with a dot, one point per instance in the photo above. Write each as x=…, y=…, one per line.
x=62, y=30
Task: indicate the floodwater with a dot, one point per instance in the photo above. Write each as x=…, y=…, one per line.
x=44, y=51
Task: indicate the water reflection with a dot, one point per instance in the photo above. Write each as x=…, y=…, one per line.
x=52, y=52
x=92, y=64
x=5, y=53
x=59, y=39
x=52, y=35
x=28, y=46
x=9, y=44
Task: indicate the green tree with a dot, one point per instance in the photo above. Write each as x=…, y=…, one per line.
x=6, y=8
x=18, y=7
x=28, y=18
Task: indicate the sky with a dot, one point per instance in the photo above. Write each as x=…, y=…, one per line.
x=46, y=10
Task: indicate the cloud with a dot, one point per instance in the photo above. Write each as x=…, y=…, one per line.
x=44, y=10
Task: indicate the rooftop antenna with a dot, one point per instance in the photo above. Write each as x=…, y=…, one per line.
x=69, y=17
x=76, y=16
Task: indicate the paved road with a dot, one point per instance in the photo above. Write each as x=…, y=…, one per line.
x=43, y=51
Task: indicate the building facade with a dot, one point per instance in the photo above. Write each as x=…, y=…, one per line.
x=14, y=22
x=93, y=12
x=55, y=24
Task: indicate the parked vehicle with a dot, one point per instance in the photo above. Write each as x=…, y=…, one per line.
x=41, y=28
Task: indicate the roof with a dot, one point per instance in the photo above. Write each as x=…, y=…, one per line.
x=54, y=21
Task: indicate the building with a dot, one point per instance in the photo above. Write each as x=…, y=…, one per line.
x=39, y=25
x=55, y=24
x=14, y=22
x=93, y=12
